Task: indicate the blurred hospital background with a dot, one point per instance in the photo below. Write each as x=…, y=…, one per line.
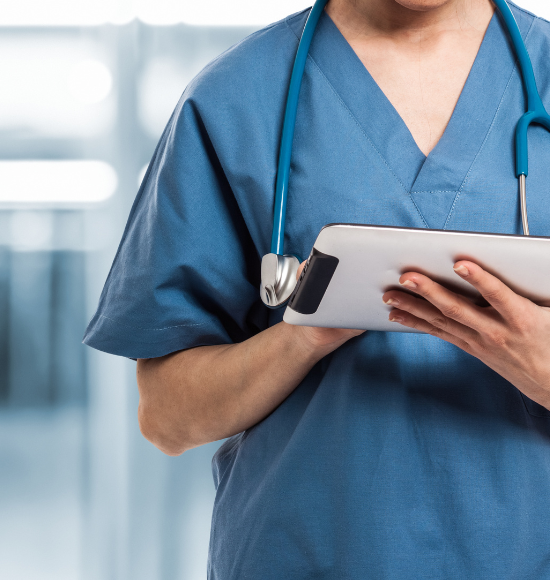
x=86, y=89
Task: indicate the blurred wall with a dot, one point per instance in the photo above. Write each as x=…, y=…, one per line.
x=87, y=88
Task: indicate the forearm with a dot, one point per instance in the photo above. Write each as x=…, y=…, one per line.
x=207, y=393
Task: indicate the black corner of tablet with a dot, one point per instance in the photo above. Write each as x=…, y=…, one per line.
x=313, y=282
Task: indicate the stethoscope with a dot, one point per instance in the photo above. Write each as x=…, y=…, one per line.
x=278, y=269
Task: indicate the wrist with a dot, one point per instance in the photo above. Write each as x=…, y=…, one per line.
x=311, y=342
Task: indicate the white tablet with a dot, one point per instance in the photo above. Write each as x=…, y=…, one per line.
x=351, y=266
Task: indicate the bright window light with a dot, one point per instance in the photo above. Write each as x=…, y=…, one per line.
x=56, y=182
x=217, y=12
x=159, y=12
x=66, y=12
x=55, y=86
x=90, y=81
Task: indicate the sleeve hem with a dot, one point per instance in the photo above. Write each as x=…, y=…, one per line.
x=118, y=338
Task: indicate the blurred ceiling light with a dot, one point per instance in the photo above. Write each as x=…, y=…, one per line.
x=45, y=92
x=56, y=182
x=161, y=12
x=217, y=12
x=66, y=12
x=120, y=11
x=90, y=81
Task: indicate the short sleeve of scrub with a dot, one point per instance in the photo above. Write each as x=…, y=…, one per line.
x=187, y=272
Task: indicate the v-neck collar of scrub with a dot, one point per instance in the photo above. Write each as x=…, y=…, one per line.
x=445, y=169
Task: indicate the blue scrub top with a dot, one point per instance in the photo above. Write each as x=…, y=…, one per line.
x=399, y=456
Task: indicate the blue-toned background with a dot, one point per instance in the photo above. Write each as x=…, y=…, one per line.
x=87, y=86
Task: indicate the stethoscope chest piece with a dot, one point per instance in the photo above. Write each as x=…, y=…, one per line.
x=278, y=278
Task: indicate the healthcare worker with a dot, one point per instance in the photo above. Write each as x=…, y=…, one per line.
x=351, y=455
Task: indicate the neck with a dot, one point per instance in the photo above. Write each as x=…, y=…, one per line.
x=408, y=20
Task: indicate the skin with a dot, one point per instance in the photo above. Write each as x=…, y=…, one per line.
x=511, y=335
x=419, y=54
x=207, y=393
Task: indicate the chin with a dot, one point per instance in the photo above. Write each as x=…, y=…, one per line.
x=422, y=5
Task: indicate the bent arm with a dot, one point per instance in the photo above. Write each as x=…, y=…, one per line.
x=206, y=393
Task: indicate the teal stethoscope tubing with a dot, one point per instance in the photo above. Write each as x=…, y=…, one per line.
x=536, y=113
x=285, y=151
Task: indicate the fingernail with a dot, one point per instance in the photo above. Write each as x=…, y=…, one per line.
x=462, y=271
x=408, y=284
x=396, y=318
x=391, y=301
